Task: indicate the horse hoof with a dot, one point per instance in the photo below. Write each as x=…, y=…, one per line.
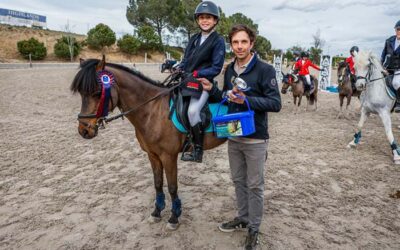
x=153, y=219
x=351, y=145
x=397, y=162
x=172, y=226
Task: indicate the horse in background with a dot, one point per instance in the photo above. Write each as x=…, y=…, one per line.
x=375, y=99
x=148, y=100
x=345, y=87
x=298, y=90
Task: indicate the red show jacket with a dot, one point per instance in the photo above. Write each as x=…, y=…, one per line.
x=350, y=61
x=303, y=68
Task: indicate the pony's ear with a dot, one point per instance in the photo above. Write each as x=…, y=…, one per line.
x=101, y=64
x=81, y=61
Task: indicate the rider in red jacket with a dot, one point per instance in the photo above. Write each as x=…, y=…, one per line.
x=350, y=61
x=302, y=67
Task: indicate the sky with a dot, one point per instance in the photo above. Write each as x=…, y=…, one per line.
x=342, y=23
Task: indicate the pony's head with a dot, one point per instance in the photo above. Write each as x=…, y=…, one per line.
x=287, y=81
x=364, y=63
x=98, y=94
x=342, y=72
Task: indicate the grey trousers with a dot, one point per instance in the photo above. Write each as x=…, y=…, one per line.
x=247, y=169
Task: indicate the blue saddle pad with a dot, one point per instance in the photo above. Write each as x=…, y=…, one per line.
x=223, y=110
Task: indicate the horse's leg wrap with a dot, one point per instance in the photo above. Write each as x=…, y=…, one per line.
x=160, y=201
x=160, y=205
x=176, y=212
x=357, y=137
x=177, y=207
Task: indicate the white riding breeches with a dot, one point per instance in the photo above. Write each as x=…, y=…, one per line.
x=308, y=79
x=396, y=79
x=195, y=106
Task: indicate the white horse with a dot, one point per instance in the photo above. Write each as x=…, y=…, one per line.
x=376, y=98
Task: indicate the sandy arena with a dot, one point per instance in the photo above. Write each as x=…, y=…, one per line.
x=60, y=191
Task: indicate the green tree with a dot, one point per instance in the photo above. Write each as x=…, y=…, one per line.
x=182, y=18
x=32, y=46
x=224, y=25
x=262, y=46
x=129, y=44
x=148, y=38
x=153, y=13
x=62, y=47
x=100, y=36
x=315, y=55
x=239, y=18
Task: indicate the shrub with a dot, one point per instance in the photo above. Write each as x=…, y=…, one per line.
x=129, y=44
x=100, y=36
x=61, y=48
x=32, y=46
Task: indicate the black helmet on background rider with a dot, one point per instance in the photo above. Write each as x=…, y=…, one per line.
x=304, y=54
x=207, y=7
x=397, y=25
x=354, y=48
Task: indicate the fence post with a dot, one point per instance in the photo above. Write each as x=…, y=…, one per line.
x=30, y=60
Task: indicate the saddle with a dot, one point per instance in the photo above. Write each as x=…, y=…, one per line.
x=180, y=105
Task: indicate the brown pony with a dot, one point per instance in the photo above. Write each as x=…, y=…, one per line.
x=344, y=86
x=149, y=102
x=297, y=85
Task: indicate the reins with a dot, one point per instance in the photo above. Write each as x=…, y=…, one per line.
x=171, y=78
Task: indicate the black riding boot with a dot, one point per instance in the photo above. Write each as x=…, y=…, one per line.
x=397, y=107
x=197, y=153
x=198, y=138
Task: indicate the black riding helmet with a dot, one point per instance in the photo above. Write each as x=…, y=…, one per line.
x=397, y=25
x=354, y=48
x=304, y=54
x=207, y=7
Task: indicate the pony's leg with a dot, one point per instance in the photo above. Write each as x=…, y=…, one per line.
x=158, y=184
x=171, y=171
x=295, y=106
x=387, y=123
x=341, y=106
x=357, y=135
x=347, y=105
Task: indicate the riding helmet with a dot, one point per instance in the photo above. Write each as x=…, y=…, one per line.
x=354, y=48
x=304, y=54
x=397, y=25
x=207, y=7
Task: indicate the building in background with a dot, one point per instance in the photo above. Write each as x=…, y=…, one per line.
x=19, y=18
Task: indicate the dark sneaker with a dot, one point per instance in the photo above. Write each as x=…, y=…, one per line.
x=251, y=242
x=235, y=224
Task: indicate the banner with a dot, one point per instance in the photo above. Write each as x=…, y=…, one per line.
x=326, y=71
x=278, y=68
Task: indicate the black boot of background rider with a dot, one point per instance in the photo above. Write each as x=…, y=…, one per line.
x=397, y=107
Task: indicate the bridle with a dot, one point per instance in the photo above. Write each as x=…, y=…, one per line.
x=342, y=76
x=102, y=108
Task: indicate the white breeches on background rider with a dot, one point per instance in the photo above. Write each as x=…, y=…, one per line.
x=308, y=79
x=195, y=106
x=396, y=79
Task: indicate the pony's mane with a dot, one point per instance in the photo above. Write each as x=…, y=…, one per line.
x=85, y=81
x=364, y=58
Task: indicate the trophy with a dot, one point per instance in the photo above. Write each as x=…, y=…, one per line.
x=240, y=84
